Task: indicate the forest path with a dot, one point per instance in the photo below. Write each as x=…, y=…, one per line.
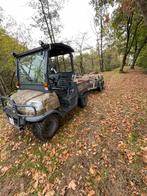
x=100, y=150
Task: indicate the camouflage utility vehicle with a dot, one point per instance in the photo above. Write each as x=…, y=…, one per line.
x=47, y=89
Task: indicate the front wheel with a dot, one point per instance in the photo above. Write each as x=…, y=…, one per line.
x=82, y=102
x=47, y=128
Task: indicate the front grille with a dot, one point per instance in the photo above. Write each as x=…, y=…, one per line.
x=18, y=121
x=11, y=112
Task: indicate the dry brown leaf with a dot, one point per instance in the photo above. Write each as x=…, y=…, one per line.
x=72, y=185
x=63, y=191
x=92, y=171
x=98, y=178
x=48, y=190
x=53, y=152
x=50, y=193
x=4, y=169
x=50, y=169
x=143, y=194
x=143, y=174
x=144, y=154
x=35, y=185
x=145, y=158
x=91, y=193
x=130, y=156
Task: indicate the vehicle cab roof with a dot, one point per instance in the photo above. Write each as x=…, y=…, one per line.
x=55, y=49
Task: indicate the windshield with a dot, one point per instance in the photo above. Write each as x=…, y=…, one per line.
x=32, y=68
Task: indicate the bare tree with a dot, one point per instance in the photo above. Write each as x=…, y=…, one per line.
x=100, y=13
x=20, y=32
x=1, y=15
x=47, y=17
x=23, y=34
x=80, y=47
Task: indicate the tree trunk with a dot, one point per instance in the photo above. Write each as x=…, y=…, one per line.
x=98, y=52
x=129, y=22
x=64, y=63
x=81, y=54
x=50, y=22
x=129, y=46
x=48, y=28
x=3, y=88
x=133, y=63
x=92, y=62
x=143, y=6
x=123, y=62
x=101, y=45
x=81, y=64
x=134, y=56
x=137, y=52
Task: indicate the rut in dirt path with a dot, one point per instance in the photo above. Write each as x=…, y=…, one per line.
x=96, y=152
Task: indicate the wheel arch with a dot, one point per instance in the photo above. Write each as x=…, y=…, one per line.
x=33, y=119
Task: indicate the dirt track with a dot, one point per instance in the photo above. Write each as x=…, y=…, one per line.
x=100, y=150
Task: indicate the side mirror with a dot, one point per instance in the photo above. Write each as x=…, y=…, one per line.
x=14, y=54
x=43, y=45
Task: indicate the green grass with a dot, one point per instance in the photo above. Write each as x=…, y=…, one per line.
x=54, y=175
x=136, y=177
x=133, y=137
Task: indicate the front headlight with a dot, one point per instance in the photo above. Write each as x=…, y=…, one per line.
x=37, y=104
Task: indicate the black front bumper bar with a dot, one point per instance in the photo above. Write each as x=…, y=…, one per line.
x=11, y=109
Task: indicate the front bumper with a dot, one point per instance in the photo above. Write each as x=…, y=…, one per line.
x=11, y=109
x=14, y=118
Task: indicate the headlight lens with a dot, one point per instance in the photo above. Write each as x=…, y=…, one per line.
x=37, y=104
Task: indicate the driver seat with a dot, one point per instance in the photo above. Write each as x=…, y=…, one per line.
x=68, y=89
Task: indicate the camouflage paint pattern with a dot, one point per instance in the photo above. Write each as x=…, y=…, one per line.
x=49, y=100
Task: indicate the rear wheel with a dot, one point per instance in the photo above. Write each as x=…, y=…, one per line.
x=47, y=128
x=82, y=102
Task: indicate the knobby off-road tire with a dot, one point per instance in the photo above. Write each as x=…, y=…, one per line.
x=82, y=102
x=103, y=84
x=100, y=86
x=47, y=128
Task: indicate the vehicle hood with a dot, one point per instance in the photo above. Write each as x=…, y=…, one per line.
x=21, y=97
x=49, y=100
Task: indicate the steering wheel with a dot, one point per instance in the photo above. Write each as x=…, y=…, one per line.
x=53, y=70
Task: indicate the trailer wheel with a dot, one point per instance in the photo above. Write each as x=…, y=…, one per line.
x=47, y=128
x=100, y=86
x=103, y=85
x=82, y=102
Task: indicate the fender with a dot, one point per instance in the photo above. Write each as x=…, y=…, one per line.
x=32, y=119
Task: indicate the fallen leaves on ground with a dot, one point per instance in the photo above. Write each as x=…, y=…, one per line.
x=72, y=185
x=99, y=150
